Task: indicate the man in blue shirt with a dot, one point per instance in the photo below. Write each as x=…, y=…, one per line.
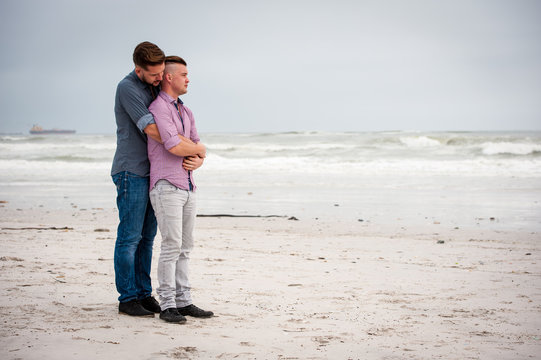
x=130, y=173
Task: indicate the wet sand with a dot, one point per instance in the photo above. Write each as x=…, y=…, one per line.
x=280, y=289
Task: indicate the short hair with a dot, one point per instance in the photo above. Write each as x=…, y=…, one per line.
x=148, y=54
x=172, y=59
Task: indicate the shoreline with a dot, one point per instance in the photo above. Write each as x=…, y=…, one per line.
x=306, y=289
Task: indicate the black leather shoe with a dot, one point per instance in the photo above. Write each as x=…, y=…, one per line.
x=171, y=315
x=134, y=308
x=192, y=310
x=151, y=304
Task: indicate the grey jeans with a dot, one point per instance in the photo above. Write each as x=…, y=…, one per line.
x=175, y=211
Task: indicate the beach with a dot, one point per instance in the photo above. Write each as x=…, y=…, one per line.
x=393, y=245
x=365, y=178
x=280, y=288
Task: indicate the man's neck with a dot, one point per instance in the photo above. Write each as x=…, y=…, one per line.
x=140, y=76
x=171, y=93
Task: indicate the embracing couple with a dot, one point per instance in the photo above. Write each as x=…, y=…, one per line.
x=158, y=149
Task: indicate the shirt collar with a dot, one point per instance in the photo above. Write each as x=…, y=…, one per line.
x=169, y=99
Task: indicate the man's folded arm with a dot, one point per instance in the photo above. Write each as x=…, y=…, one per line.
x=153, y=131
x=187, y=148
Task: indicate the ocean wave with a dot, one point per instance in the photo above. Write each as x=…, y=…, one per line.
x=510, y=148
x=269, y=147
x=99, y=146
x=337, y=153
x=8, y=138
x=72, y=159
x=419, y=141
x=394, y=167
x=51, y=166
x=28, y=147
x=21, y=138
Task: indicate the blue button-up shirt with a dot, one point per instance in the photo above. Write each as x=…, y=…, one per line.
x=133, y=97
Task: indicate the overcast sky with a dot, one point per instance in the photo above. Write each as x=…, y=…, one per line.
x=267, y=66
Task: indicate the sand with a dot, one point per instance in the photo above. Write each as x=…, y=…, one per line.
x=280, y=289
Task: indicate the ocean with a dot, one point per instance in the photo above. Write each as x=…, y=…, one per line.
x=449, y=178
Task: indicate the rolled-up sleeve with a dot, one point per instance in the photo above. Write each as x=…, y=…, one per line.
x=144, y=121
x=171, y=142
x=164, y=120
x=131, y=101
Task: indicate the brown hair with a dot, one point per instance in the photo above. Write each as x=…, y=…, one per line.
x=148, y=54
x=175, y=59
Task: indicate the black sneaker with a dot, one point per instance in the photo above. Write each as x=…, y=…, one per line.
x=192, y=310
x=151, y=304
x=134, y=308
x=171, y=315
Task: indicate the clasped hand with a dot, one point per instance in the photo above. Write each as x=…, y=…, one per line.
x=191, y=163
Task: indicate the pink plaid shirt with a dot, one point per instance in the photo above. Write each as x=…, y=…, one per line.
x=163, y=164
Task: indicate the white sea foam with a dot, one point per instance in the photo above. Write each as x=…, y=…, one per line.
x=85, y=153
x=12, y=138
x=393, y=167
x=53, y=171
x=497, y=148
x=269, y=148
x=419, y=141
x=293, y=154
x=301, y=173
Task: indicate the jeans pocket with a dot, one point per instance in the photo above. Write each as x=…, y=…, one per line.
x=165, y=187
x=117, y=179
x=135, y=176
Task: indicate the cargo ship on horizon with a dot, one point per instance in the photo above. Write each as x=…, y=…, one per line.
x=38, y=130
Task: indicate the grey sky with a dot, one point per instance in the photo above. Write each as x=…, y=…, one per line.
x=281, y=65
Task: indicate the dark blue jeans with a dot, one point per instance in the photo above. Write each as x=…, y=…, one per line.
x=135, y=237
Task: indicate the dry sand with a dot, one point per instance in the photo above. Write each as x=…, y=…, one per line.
x=280, y=289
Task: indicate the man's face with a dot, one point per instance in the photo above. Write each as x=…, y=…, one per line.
x=152, y=75
x=179, y=81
